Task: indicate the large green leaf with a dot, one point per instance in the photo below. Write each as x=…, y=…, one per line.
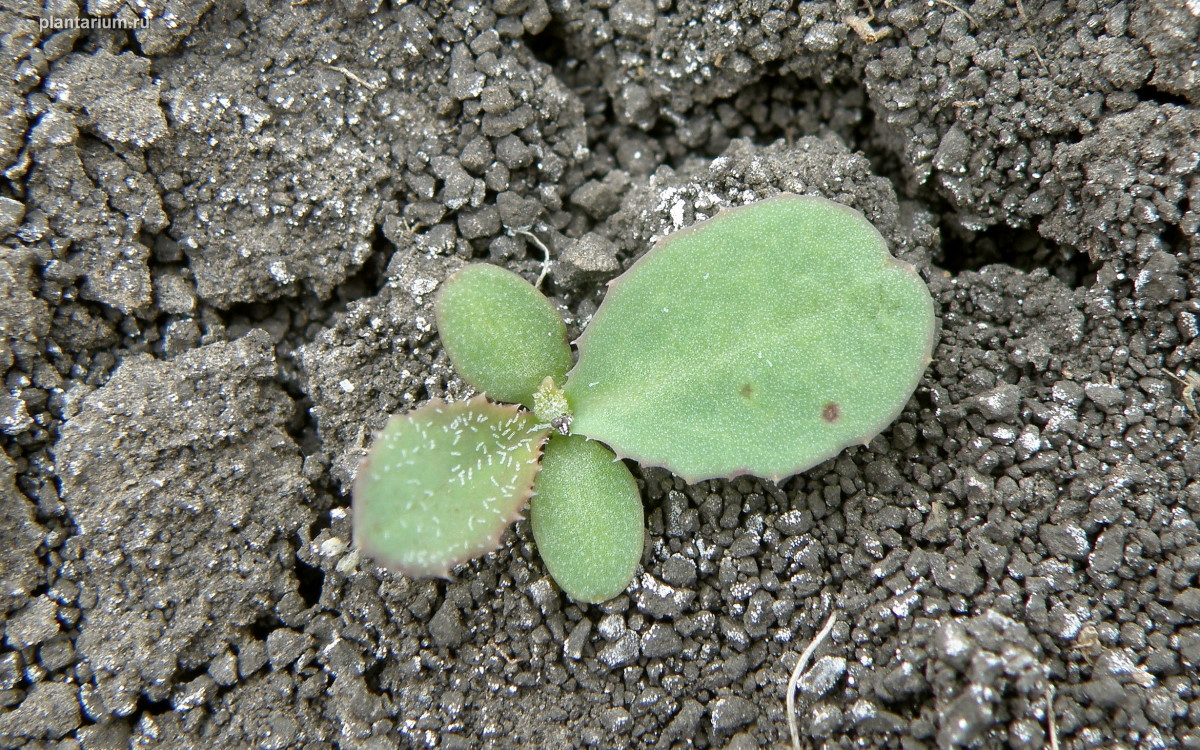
x=502, y=335
x=762, y=341
x=441, y=483
x=587, y=519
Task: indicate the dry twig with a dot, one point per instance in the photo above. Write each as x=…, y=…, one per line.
x=545, y=261
x=967, y=15
x=801, y=663
x=1051, y=723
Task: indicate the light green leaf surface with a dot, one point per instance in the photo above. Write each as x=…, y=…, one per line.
x=762, y=341
x=501, y=333
x=587, y=519
x=441, y=483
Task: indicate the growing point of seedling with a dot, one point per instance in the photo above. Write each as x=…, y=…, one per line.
x=550, y=406
x=762, y=341
x=440, y=484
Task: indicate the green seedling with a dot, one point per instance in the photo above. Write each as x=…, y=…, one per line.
x=762, y=341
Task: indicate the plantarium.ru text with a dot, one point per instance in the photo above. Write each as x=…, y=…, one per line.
x=762, y=341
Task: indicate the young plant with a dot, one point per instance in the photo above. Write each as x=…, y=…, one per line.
x=762, y=341
x=441, y=484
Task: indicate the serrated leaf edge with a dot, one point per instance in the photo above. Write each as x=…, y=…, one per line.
x=931, y=341
x=494, y=539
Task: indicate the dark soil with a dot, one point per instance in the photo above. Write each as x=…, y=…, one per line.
x=220, y=237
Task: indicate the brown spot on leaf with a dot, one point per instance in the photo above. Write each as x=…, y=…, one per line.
x=831, y=412
x=747, y=390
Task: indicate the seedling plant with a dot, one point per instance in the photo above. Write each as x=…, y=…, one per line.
x=762, y=341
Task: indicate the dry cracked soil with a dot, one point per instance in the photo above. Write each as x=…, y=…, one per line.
x=221, y=225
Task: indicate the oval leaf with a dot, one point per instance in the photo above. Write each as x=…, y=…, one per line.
x=587, y=519
x=440, y=484
x=501, y=333
x=762, y=341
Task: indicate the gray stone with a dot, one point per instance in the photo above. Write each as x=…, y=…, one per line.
x=616, y=720
x=1067, y=392
x=284, y=647
x=620, y=652
x=252, y=655
x=1109, y=552
x=1103, y=395
x=660, y=601
x=446, y=626
x=1106, y=693
x=661, y=640
x=822, y=676
x=958, y=578
x=677, y=570
x=685, y=723
x=513, y=152
x=824, y=37
x=498, y=126
x=826, y=719
x=634, y=106
x=114, y=736
x=14, y=417
x=600, y=198
x=952, y=643
x=56, y=654
x=116, y=95
x=194, y=694
x=731, y=711
x=14, y=120
x=516, y=211
x=573, y=647
x=12, y=670
x=480, y=222
x=476, y=155
x=743, y=741
x=999, y=404
x=611, y=626
x=884, y=475
x=1065, y=540
x=50, y=711
x=794, y=522
x=953, y=152
x=223, y=668
x=11, y=214
x=457, y=185
x=633, y=18
x=193, y=449
x=33, y=624
x=174, y=294
x=1187, y=602
x=465, y=81
x=967, y=717
x=497, y=99
x=1158, y=282
x=180, y=335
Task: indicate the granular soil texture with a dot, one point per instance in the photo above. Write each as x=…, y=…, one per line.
x=220, y=234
